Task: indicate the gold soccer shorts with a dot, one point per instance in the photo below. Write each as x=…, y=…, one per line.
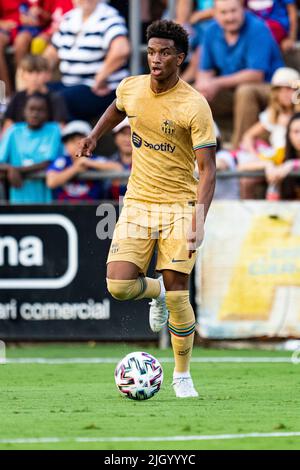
x=142, y=227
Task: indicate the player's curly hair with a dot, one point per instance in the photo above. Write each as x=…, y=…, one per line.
x=169, y=30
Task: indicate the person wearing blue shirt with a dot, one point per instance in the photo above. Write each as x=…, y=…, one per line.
x=239, y=57
x=28, y=147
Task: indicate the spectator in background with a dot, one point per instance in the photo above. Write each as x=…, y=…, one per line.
x=234, y=71
x=226, y=188
x=9, y=21
x=122, y=6
x=62, y=172
x=275, y=118
x=92, y=48
x=200, y=20
x=196, y=22
x=122, y=136
x=277, y=176
x=28, y=147
x=34, y=16
x=34, y=74
x=281, y=16
x=57, y=9
x=256, y=153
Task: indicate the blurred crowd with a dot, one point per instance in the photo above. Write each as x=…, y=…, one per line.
x=62, y=60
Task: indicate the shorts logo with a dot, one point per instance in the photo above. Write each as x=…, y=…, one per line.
x=137, y=140
x=168, y=127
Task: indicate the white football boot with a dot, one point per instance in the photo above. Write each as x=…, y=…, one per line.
x=184, y=387
x=158, y=314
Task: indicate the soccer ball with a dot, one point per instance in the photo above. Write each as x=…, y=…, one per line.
x=138, y=376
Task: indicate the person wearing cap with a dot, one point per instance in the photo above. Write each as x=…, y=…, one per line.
x=63, y=172
x=123, y=156
x=259, y=154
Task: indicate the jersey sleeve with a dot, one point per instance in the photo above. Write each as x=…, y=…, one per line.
x=120, y=96
x=202, y=126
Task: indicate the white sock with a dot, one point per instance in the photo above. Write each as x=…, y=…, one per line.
x=181, y=375
x=162, y=294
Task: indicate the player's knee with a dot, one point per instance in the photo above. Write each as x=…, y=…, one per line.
x=121, y=290
x=177, y=299
x=179, y=306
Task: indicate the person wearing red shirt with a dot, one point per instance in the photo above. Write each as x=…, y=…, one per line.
x=57, y=9
x=34, y=17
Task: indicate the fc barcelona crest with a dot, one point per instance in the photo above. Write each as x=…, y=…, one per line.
x=168, y=127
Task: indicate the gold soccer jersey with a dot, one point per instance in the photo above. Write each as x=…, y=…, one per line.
x=166, y=129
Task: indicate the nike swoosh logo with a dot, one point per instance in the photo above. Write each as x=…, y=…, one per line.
x=178, y=260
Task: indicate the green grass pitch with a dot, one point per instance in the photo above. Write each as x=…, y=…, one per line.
x=64, y=402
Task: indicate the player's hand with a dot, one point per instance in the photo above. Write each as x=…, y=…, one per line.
x=14, y=177
x=195, y=235
x=86, y=147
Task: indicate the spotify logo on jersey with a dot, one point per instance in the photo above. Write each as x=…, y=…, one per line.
x=136, y=140
x=163, y=147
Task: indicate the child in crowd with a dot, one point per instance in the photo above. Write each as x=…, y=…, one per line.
x=255, y=153
x=115, y=189
x=282, y=18
x=276, y=175
x=34, y=75
x=62, y=173
x=29, y=147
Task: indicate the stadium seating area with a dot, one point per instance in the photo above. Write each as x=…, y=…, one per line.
x=44, y=51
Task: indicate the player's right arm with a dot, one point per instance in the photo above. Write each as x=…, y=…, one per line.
x=110, y=119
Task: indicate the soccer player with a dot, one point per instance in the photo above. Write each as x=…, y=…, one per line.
x=171, y=124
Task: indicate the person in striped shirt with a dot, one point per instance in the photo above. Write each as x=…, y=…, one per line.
x=92, y=49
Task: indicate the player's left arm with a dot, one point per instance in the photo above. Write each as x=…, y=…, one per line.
x=206, y=160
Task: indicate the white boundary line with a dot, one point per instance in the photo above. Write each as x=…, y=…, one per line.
x=115, y=360
x=58, y=440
